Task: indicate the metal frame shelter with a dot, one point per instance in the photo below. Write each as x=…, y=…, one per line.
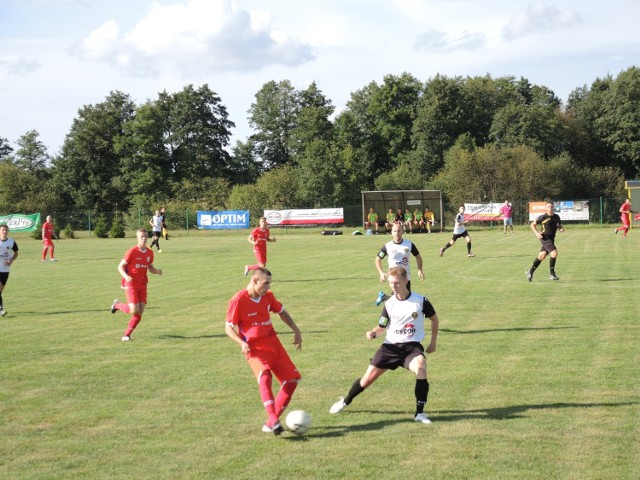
x=381, y=201
x=633, y=191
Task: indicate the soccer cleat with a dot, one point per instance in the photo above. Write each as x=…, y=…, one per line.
x=471, y=255
x=246, y=270
x=338, y=407
x=53, y=260
x=441, y=252
x=528, y=274
x=159, y=251
x=421, y=418
x=3, y=312
x=113, y=306
x=380, y=299
x=553, y=277
x=615, y=231
x=276, y=429
x=126, y=338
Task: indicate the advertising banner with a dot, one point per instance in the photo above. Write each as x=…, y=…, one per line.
x=307, y=217
x=223, y=220
x=21, y=223
x=482, y=212
x=577, y=210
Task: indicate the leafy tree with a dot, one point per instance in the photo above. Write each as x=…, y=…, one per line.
x=377, y=124
x=23, y=192
x=145, y=164
x=197, y=133
x=273, y=115
x=244, y=167
x=32, y=155
x=5, y=148
x=539, y=126
x=90, y=157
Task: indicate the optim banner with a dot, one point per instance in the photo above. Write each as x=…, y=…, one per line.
x=224, y=220
x=21, y=223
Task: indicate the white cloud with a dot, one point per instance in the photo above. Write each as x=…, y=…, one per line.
x=539, y=17
x=22, y=66
x=439, y=42
x=203, y=35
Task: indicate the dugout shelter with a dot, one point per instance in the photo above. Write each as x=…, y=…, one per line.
x=381, y=201
x=633, y=192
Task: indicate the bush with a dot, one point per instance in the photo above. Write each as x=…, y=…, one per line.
x=37, y=233
x=101, y=229
x=117, y=228
x=68, y=232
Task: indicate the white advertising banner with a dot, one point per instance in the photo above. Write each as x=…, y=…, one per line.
x=310, y=216
x=568, y=210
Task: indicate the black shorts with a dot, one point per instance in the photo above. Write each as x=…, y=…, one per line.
x=156, y=234
x=456, y=236
x=393, y=355
x=547, y=245
x=4, y=276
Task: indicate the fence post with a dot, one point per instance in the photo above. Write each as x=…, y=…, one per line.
x=601, y=212
x=186, y=212
x=89, y=216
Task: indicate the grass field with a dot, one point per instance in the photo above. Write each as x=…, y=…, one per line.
x=530, y=380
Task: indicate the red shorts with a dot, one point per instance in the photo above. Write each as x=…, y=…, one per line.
x=136, y=293
x=267, y=353
x=261, y=256
x=47, y=243
x=625, y=220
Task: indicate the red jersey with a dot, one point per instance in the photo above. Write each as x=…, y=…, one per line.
x=625, y=209
x=253, y=317
x=138, y=262
x=260, y=237
x=47, y=231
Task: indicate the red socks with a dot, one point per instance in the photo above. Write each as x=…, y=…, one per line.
x=133, y=323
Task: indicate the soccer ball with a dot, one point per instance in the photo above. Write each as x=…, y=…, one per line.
x=298, y=422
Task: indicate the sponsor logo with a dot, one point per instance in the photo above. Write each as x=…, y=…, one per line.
x=274, y=218
x=409, y=330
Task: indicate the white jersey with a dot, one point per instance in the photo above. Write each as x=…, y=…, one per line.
x=7, y=249
x=459, y=226
x=399, y=254
x=404, y=319
x=157, y=223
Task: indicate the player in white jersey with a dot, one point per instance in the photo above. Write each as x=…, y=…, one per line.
x=403, y=321
x=459, y=230
x=8, y=255
x=398, y=250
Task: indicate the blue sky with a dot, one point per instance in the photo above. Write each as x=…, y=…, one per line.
x=58, y=55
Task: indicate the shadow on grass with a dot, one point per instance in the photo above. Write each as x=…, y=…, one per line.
x=223, y=335
x=26, y=313
x=492, y=330
x=324, y=279
x=514, y=411
x=613, y=279
x=340, y=430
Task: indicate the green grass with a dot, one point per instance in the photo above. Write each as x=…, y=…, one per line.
x=530, y=380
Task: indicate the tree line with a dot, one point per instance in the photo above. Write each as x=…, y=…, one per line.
x=475, y=138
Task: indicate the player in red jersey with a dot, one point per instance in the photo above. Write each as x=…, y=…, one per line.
x=133, y=268
x=259, y=238
x=625, y=210
x=249, y=324
x=48, y=233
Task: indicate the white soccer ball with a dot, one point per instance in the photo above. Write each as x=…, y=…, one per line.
x=298, y=422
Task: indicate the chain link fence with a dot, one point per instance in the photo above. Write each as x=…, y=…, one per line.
x=601, y=211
